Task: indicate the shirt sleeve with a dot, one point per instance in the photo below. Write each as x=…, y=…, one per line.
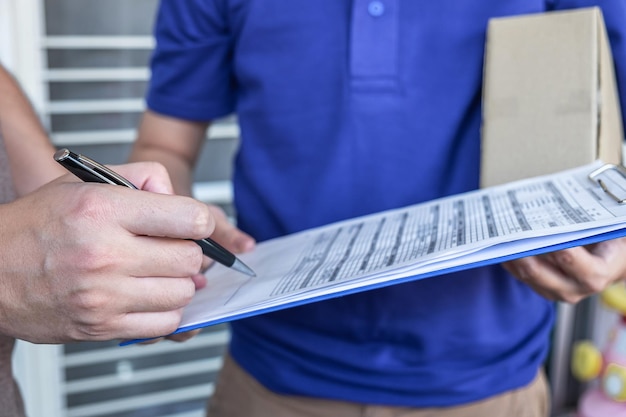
x=191, y=68
x=614, y=13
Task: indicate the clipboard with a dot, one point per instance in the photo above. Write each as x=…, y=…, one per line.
x=550, y=212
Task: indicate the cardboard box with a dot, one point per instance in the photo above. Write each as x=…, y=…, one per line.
x=549, y=96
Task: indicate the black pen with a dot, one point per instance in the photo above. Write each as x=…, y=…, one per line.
x=89, y=170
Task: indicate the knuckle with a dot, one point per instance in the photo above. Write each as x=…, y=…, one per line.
x=532, y=269
x=184, y=295
x=573, y=298
x=188, y=295
x=191, y=258
x=92, y=326
x=89, y=204
x=563, y=257
x=203, y=223
x=170, y=322
x=90, y=303
x=526, y=271
x=91, y=257
x=177, y=297
x=94, y=332
x=595, y=284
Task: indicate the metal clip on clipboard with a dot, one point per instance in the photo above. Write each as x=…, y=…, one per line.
x=612, y=179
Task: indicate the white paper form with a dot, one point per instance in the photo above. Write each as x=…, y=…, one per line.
x=456, y=232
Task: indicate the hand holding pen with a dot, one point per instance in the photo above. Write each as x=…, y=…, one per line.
x=89, y=170
x=100, y=263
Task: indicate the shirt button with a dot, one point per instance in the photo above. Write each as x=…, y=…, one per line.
x=376, y=8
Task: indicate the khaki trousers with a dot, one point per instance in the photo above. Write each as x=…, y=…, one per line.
x=237, y=394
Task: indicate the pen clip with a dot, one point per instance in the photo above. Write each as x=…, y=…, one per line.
x=106, y=172
x=85, y=168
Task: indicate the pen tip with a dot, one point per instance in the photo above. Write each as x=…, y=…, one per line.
x=243, y=268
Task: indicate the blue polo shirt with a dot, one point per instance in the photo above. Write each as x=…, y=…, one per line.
x=348, y=108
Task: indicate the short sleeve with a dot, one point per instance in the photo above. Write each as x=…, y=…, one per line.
x=191, y=68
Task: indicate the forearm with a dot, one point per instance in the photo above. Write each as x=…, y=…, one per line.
x=172, y=142
x=179, y=170
x=26, y=141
